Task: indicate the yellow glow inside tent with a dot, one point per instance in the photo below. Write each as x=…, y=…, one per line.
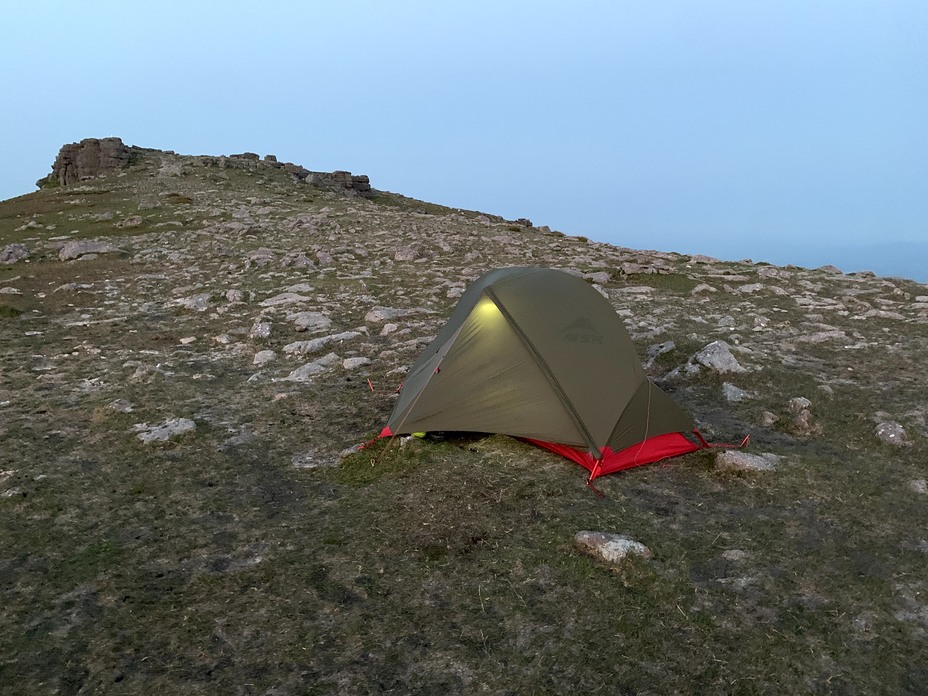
x=487, y=311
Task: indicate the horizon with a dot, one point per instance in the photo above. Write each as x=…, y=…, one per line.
x=787, y=134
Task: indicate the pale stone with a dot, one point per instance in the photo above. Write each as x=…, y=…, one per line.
x=353, y=363
x=892, y=433
x=263, y=356
x=745, y=461
x=612, y=548
x=165, y=431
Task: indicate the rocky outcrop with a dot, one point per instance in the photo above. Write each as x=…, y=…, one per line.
x=86, y=159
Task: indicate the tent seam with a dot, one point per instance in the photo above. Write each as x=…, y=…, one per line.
x=546, y=371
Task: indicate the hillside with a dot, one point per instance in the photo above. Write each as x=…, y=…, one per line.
x=191, y=346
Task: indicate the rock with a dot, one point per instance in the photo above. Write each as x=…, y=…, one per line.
x=309, y=321
x=353, y=363
x=798, y=404
x=309, y=370
x=716, y=356
x=121, y=405
x=378, y=314
x=767, y=419
x=235, y=295
x=405, y=254
x=611, y=548
x=659, y=349
x=892, y=433
x=81, y=247
x=12, y=253
x=599, y=277
x=701, y=288
x=316, y=344
x=195, y=303
x=736, y=460
x=9, y=290
x=170, y=429
x=733, y=393
x=883, y=314
x=735, y=555
x=284, y=298
x=131, y=221
x=263, y=356
x=751, y=288
x=920, y=486
x=802, y=424
x=260, y=329
x=88, y=158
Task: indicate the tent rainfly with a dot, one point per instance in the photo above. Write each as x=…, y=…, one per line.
x=540, y=355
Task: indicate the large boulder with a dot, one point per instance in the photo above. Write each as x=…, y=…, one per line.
x=88, y=158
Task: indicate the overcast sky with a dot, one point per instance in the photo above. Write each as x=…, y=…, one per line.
x=794, y=132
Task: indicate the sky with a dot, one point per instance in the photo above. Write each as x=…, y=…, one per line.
x=781, y=131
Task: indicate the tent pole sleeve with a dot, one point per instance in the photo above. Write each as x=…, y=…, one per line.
x=543, y=366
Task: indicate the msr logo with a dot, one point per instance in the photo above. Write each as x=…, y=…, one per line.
x=582, y=331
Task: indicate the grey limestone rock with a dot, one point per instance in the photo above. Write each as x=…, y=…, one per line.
x=612, y=548
x=892, y=433
x=12, y=253
x=309, y=321
x=733, y=393
x=82, y=247
x=745, y=461
x=162, y=432
x=717, y=357
x=311, y=369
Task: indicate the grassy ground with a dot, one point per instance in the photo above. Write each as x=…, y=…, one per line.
x=213, y=564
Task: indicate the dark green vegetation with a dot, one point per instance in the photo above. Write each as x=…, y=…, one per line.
x=212, y=564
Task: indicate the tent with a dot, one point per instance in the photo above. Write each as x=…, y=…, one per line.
x=539, y=354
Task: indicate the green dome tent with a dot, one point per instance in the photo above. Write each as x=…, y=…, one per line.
x=538, y=354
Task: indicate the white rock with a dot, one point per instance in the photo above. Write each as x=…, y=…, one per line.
x=309, y=370
x=284, y=298
x=164, y=431
x=743, y=461
x=187, y=340
x=316, y=344
x=751, y=288
x=121, y=405
x=260, y=329
x=717, y=356
x=703, y=287
x=82, y=247
x=611, y=548
x=920, y=486
x=378, y=314
x=196, y=303
x=12, y=253
x=263, y=356
x=733, y=393
x=10, y=291
x=798, y=404
x=892, y=433
x=352, y=363
x=309, y=321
